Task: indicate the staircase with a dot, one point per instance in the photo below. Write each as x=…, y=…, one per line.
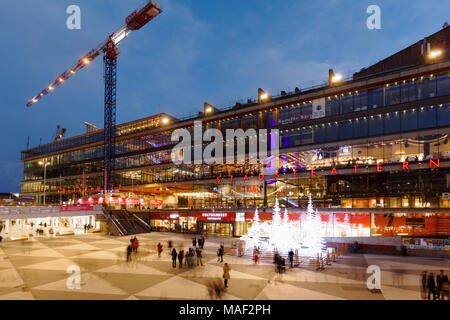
x=126, y=223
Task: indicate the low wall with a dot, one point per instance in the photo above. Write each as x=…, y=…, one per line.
x=384, y=245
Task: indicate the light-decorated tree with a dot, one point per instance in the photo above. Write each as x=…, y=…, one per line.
x=312, y=232
x=347, y=226
x=255, y=233
x=276, y=215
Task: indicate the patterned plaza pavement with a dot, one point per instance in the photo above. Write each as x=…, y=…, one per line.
x=37, y=269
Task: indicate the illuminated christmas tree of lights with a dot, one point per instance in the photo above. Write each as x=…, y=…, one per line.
x=283, y=236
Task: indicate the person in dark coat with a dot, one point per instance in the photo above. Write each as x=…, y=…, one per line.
x=424, y=285
x=174, y=258
x=129, y=251
x=291, y=258
x=431, y=286
x=200, y=243
x=441, y=278
x=220, y=254
x=180, y=258
x=194, y=242
x=198, y=251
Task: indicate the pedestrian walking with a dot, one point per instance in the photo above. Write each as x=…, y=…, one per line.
x=226, y=274
x=180, y=258
x=129, y=250
x=424, y=279
x=174, y=258
x=198, y=251
x=220, y=254
x=159, y=247
x=240, y=249
x=190, y=259
x=135, y=245
x=170, y=244
x=256, y=255
x=203, y=241
x=445, y=288
x=194, y=242
x=291, y=258
x=431, y=286
x=441, y=280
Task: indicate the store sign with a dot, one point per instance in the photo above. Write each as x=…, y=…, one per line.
x=174, y=216
x=215, y=216
x=155, y=202
x=446, y=196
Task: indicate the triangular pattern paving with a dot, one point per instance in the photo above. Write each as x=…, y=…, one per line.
x=37, y=269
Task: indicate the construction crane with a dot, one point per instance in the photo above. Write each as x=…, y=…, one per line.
x=136, y=20
x=59, y=133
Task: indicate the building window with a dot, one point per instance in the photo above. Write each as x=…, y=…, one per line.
x=427, y=117
x=360, y=127
x=332, y=106
x=392, y=123
x=443, y=84
x=345, y=129
x=443, y=118
x=392, y=95
x=347, y=104
x=375, y=125
x=409, y=120
x=375, y=98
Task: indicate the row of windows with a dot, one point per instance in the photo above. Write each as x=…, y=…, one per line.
x=388, y=95
x=426, y=117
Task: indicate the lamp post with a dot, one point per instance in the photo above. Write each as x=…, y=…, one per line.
x=45, y=164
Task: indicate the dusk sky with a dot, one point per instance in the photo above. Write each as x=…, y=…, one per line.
x=195, y=51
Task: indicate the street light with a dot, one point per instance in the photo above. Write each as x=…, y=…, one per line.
x=434, y=54
x=45, y=164
x=262, y=96
x=336, y=78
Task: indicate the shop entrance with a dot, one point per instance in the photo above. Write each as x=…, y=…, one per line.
x=216, y=228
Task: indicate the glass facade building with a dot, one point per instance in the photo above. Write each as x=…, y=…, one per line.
x=372, y=151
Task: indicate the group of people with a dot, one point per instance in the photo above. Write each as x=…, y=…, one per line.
x=87, y=227
x=200, y=242
x=132, y=247
x=280, y=263
x=187, y=259
x=438, y=289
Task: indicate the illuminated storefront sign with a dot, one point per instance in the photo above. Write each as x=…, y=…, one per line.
x=215, y=216
x=334, y=171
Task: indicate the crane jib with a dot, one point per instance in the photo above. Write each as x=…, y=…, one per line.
x=134, y=21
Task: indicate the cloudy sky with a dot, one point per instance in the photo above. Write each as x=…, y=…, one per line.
x=195, y=51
